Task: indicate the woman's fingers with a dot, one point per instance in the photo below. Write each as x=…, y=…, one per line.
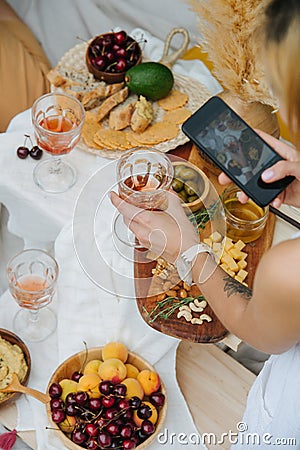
x=280, y=170
x=283, y=149
x=224, y=179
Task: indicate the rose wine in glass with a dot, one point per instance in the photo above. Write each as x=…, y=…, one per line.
x=32, y=277
x=57, y=120
x=144, y=176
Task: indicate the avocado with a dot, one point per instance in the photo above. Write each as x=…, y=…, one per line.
x=153, y=80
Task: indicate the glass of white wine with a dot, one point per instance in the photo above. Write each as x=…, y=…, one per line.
x=32, y=276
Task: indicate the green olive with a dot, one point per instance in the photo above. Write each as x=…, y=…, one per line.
x=191, y=188
x=192, y=198
x=188, y=174
x=183, y=195
x=178, y=169
x=177, y=185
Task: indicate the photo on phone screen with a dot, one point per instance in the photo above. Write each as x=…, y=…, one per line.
x=235, y=148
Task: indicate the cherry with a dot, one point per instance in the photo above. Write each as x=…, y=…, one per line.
x=121, y=52
x=119, y=390
x=72, y=410
x=92, y=429
x=147, y=427
x=78, y=437
x=107, y=40
x=123, y=404
x=135, y=402
x=100, y=422
x=58, y=415
x=128, y=414
x=104, y=440
x=121, y=65
x=81, y=398
x=110, y=413
x=56, y=403
x=70, y=399
x=94, y=404
x=101, y=62
x=22, y=152
x=157, y=399
x=87, y=416
x=55, y=390
x=120, y=37
x=36, y=153
x=144, y=412
x=129, y=444
x=113, y=429
x=116, y=47
x=126, y=431
x=110, y=56
x=92, y=445
x=108, y=402
x=76, y=376
x=105, y=387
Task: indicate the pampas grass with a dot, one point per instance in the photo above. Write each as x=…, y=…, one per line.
x=231, y=33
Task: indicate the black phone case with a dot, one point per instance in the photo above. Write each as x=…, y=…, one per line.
x=260, y=192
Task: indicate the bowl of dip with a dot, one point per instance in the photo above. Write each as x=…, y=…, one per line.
x=14, y=358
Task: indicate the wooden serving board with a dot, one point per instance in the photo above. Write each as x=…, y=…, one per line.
x=207, y=332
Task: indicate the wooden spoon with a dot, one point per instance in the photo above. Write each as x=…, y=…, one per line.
x=16, y=386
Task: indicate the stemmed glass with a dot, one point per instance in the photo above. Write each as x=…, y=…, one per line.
x=144, y=176
x=32, y=276
x=57, y=120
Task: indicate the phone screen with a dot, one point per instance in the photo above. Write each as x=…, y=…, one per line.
x=235, y=148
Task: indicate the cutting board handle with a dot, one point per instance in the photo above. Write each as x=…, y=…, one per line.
x=169, y=59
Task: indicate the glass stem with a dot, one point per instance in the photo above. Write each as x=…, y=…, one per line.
x=34, y=315
x=55, y=168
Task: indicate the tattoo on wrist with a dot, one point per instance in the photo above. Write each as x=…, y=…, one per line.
x=232, y=287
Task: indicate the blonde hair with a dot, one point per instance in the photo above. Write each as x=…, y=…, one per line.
x=282, y=35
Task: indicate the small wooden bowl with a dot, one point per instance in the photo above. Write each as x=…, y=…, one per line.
x=204, y=186
x=75, y=363
x=13, y=339
x=108, y=77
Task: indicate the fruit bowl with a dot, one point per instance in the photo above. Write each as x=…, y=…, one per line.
x=188, y=178
x=13, y=339
x=110, y=55
x=86, y=362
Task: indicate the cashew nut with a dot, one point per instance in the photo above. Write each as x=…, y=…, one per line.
x=194, y=308
x=201, y=304
x=182, y=293
x=196, y=321
x=184, y=307
x=206, y=317
x=187, y=315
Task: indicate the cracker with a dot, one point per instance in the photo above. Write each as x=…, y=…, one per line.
x=89, y=129
x=177, y=116
x=156, y=133
x=174, y=100
x=101, y=139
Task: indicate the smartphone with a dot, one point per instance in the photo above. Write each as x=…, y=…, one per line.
x=235, y=148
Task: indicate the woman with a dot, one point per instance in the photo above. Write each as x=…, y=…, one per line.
x=268, y=318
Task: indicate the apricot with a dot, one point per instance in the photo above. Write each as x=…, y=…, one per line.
x=67, y=386
x=132, y=371
x=68, y=425
x=113, y=370
x=152, y=418
x=92, y=366
x=149, y=381
x=90, y=383
x=115, y=350
x=134, y=389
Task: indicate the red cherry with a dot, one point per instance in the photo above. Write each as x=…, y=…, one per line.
x=101, y=62
x=120, y=37
x=22, y=152
x=110, y=56
x=121, y=65
x=121, y=52
x=92, y=429
x=58, y=416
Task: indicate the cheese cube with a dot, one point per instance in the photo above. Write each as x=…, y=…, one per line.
x=238, y=279
x=228, y=243
x=216, y=237
x=208, y=242
x=242, y=274
x=227, y=259
x=217, y=246
x=242, y=264
x=224, y=267
x=242, y=255
x=235, y=253
x=239, y=245
x=231, y=273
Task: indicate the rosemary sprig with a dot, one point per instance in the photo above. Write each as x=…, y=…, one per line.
x=201, y=217
x=166, y=307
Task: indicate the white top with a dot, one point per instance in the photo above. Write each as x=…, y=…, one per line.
x=272, y=415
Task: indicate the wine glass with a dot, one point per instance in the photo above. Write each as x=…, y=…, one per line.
x=57, y=120
x=32, y=276
x=144, y=176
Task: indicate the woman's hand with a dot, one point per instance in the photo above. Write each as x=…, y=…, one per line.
x=167, y=233
x=289, y=166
